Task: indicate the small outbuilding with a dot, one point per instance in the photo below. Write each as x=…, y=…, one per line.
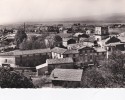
x=66, y=77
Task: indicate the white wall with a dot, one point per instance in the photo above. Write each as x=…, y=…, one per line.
x=98, y=37
x=56, y=55
x=98, y=30
x=64, y=43
x=10, y=60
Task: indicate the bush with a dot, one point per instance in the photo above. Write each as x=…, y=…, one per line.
x=13, y=79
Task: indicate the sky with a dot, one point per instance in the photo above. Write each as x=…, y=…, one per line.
x=12, y=11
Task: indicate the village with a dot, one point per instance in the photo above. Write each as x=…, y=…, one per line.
x=58, y=56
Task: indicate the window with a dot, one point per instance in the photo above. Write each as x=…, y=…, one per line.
x=67, y=55
x=90, y=56
x=73, y=55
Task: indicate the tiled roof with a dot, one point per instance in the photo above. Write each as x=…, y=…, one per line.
x=66, y=74
x=80, y=45
x=25, y=52
x=59, y=61
x=71, y=52
x=58, y=50
x=65, y=35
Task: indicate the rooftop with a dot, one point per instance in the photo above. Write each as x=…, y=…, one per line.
x=80, y=45
x=25, y=52
x=58, y=50
x=59, y=61
x=66, y=74
x=41, y=66
x=71, y=52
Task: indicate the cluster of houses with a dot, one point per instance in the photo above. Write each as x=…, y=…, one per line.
x=79, y=54
x=66, y=65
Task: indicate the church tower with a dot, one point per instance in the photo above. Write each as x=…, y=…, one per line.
x=101, y=33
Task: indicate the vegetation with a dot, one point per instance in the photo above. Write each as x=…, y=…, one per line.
x=20, y=36
x=110, y=74
x=32, y=43
x=57, y=40
x=40, y=82
x=13, y=79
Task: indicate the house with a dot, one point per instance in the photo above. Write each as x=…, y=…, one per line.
x=115, y=43
x=58, y=52
x=42, y=69
x=115, y=46
x=74, y=54
x=26, y=58
x=86, y=56
x=79, y=45
x=66, y=77
x=100, y=53
x=67, y=41
x=89, y=55
x=88, y=32
x=66, y=63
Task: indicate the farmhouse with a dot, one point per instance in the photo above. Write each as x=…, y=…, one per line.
x=58, y=52
x=65, y=77
x=65, y=63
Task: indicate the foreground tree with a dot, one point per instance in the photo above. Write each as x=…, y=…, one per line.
x=13, y=79
x=92, y=78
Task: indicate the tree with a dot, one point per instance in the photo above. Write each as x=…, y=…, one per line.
x=116, y=61
x=33, y=43
x=19, y=37
x=13, y=79
x=57, y=40
x=93, y=79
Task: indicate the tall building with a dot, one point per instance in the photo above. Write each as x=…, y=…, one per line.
x=101, y=33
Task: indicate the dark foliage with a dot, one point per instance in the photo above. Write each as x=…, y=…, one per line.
x=93, y=79
x=20, y=36
x=57, y=40
x=33, y=43
x=13, y=79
